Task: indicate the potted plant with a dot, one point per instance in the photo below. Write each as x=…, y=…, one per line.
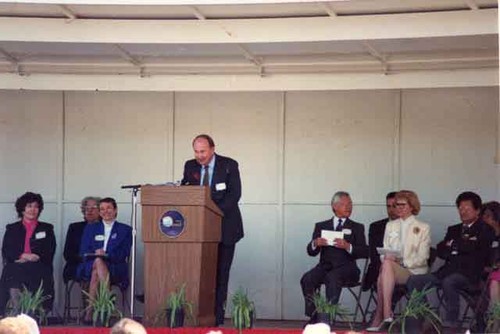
x=325, y=311
x=30, y=304
x=493, y=324
x=103, y=305
x=416, y=313
x=243, y=313
x=175, y=309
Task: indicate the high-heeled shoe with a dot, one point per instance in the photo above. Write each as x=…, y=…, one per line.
x=375, y=328
x=384, y=325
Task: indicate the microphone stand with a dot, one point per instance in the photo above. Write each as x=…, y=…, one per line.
x=135, y=189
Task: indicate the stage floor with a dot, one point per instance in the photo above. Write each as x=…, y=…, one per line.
x=261, y=327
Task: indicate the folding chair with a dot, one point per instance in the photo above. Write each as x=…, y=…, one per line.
x=351, y=286
x=68, y=307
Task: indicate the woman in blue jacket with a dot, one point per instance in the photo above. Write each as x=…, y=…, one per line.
x=105, y=249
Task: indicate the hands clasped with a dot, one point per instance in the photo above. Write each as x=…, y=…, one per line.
x=27, y=257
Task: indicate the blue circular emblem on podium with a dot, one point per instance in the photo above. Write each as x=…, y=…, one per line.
x=172, y=223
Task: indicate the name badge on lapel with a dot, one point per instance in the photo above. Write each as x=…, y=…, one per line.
x=347, y=231
x=99, y=237
x=393, y=234
x=40, y=235
x=113, y=236
x=220, y=186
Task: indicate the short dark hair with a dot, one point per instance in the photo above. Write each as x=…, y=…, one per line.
x=211, y=142
x=108, y=200
x=390, y=195
x=494, y=208
x=469, y=196
x=27, y=198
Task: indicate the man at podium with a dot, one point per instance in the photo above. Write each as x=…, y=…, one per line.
x=221, y=174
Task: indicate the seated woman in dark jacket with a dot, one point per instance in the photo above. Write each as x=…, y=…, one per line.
x=28, y=250
x=105, y=249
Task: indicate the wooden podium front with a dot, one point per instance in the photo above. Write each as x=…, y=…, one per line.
x=189, y=258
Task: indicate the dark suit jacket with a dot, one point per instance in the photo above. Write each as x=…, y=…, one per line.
x=375, y=239
x=118, y=250
x=225, y=172
x=72, y=249
x=42, y=242
x=473, y=251
x=333, y=257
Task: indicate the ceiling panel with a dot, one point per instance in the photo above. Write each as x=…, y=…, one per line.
x=281, y=56
x=239, y=11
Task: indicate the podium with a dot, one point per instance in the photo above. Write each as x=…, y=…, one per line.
x=181, y=229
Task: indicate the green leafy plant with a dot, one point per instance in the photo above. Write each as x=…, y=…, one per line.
x=175, y=301
x=417, y=307
x=322, y=305
x=243, y=312
x=103, y=305
x=30, y=303
x=493, y=318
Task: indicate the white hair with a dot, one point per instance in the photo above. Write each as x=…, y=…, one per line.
x=338, y=195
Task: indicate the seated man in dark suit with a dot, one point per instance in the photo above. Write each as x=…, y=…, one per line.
x=90, y=211
x=465, y=249
x=376, y=239
x=337, y=263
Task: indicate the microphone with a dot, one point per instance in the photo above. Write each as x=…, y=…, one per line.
x=131, y=186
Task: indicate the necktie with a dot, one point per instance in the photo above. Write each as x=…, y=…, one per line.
x=204, y=182
x=339, y=225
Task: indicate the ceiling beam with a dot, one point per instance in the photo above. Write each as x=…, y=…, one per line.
x=127, y=56
x=197, y=13
x=472, y=4
x=252, y=82
x=166, y=2
x=370, y=27
x=130, y=58
x=377, y=55
x=66, y=11
x=249, y=56
x=13, y=60
x=327, y=8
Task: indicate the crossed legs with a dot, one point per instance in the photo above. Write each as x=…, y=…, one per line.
x=391, y=273
x=99, y=274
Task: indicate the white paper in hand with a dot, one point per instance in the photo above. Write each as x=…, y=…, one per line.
x=330, y=236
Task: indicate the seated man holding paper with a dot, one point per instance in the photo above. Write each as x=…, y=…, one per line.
x=406, y=249
x=105, y=249
x=339, y=241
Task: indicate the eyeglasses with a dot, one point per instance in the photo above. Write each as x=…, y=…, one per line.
x=400, y=204
x=391, y=206
x=89, y=208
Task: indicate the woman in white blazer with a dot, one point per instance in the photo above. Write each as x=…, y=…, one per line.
x=411, y=239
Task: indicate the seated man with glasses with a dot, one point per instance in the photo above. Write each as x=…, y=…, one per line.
x=90, y=211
